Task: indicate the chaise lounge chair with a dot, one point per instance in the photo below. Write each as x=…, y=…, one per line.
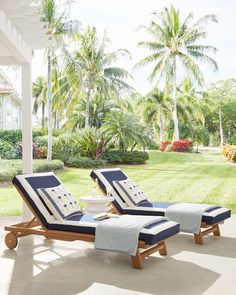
x=124, y=203
x=79, y=226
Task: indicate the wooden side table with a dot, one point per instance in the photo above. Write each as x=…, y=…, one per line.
x=96, y=204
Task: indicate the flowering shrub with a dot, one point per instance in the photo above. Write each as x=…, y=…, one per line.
x=181, y=146
x=164, y=144
x=229, y=151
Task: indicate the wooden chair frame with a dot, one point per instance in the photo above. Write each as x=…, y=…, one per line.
x=208, y=229
x=35, y=227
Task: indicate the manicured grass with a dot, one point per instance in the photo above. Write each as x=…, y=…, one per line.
x=168, y=177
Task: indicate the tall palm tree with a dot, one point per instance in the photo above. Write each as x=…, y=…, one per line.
x=95, y=65
x=173, y=42
x=58, y=27
x=40, y=95
x=155, y=108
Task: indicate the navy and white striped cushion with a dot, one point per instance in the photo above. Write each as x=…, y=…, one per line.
x=86, y=224
x=130, y=192
x=60, y=201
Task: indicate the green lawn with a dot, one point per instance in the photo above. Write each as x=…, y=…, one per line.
x=173, y=177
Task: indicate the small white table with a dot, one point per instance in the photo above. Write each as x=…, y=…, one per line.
x=96, y=204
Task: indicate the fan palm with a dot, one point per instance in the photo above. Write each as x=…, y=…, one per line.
x=176, y=41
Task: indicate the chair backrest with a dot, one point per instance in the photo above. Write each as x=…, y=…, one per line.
x=27, y=184
x=105, y=178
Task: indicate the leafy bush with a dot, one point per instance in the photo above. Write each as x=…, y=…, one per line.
x=84, y=143
x=181, y=146
x=15, y=136
x=84, y=162
x=65, y=146
x=42, y=141
x=122, y=157
x=229, y=151
x=6, y=150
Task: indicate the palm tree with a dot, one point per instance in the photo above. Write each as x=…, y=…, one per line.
x=94, y=64
x=58, y=27
x=155, y=107
x=175, y=41
x=40, y=95
x=198, y=134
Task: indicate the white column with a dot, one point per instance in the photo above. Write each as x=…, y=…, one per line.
x=26, y=127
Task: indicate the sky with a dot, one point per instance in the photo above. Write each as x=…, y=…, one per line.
x=121, y=19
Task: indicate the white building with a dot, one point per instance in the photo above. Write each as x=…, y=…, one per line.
x=10, y=105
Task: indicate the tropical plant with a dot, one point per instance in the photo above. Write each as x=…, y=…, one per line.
x=198, y=134
x=124, y=131
x=40, y=95
x=58, y=27
x=95, y=65
x=175, y=41
x=155, y=108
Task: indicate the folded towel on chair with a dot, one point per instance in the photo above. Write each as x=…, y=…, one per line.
x=122, y=234
x=188, y=215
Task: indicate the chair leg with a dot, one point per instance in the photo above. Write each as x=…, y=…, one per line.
x=198, y=238
x=163, y=251
x=216, y=231
x=137, y=260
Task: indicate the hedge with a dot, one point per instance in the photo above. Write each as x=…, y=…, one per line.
x=84, y=162
x=15, y=136
x=123, y=157
x=10, y=168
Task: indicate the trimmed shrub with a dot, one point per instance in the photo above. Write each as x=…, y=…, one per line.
x=84, y=162
x=15, y=136
x=47, y=166
x=6, y=150
x=42, y=152
x=10, y=168
x=229, y=151
x=121, y=157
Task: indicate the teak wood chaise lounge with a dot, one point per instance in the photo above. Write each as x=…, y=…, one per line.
x=106, y=177
x=78, y=227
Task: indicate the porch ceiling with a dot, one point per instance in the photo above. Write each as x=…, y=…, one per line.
x=21, y=31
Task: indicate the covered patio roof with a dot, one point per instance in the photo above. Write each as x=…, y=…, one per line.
x=22, y=31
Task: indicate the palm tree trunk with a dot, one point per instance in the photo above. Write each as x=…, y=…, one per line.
x=175, y=115
x=87, y=108
x=221, y=129
x=49, y=155
x=43, y=115
x=161, y=124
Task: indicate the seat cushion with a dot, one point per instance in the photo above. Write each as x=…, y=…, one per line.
x=210, y=217
x=85, y=223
